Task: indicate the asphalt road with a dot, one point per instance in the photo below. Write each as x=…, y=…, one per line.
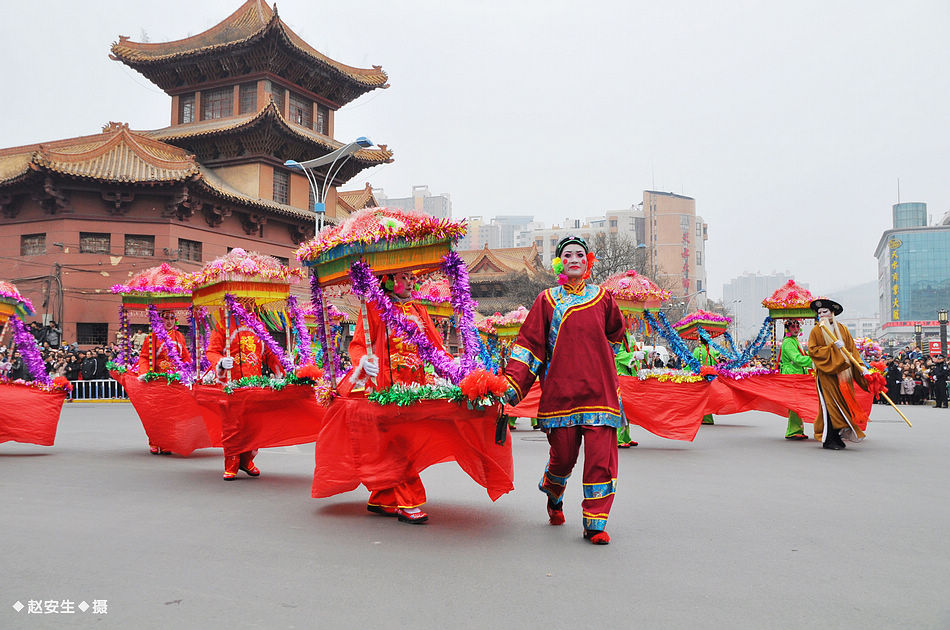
x=738, y=529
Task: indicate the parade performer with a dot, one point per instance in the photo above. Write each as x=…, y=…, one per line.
x=247, y=356
x=569, y=340
x=391, y=360
x=836, y=378
x=628, y=361
x=706, y=356
x=154, y=357
x=792, y=360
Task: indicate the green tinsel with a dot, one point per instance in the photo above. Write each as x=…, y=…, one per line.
x=171, y=377
x=404, y=396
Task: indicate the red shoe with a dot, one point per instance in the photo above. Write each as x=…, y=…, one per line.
x=231, y=466
x=154, y=450
x=555, y=514
x=247, y=464
x=597, y=536
x=415, y=518
x=383, y=511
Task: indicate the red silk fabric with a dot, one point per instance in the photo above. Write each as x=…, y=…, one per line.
x=29, y=415
x=675, y=410
x=361, y=442
x=171, y=415
x=263, y=418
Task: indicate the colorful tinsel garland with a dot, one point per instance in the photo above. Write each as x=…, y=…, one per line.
x=125, y=347
x=30, y=351
x=257, y=327
x=367, y=286
x=303, y=337
x=676, y=343
x=464, y=307
x=158, y=329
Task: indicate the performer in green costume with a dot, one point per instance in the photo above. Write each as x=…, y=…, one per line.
x=628, y=360
x=706, y=356
x=793, y=360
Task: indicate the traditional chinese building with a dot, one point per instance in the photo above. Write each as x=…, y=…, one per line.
x=491, y=271
x=81, y=214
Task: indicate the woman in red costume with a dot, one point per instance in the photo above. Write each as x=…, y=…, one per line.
x=154, y=357
x=247, y=356
x=392, y=360
x=569, y=340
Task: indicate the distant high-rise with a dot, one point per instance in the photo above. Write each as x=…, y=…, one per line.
x=676, y=243
x=742, y=298
x=422, y=200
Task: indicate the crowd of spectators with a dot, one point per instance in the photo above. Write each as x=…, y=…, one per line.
x=914, y=380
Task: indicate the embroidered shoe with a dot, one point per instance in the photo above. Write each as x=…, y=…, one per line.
x=231, y=465
x=597, y=536
x=382, y=511
x=414, y=518
x=154, y=450
x=246, y=463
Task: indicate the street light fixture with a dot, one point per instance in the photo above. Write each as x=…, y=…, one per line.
x=918, y=333
x=320, y=193
x=735, y=311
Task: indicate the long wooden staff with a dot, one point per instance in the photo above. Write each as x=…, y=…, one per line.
x=860, y=366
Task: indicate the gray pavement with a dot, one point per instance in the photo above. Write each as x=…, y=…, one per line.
x=738, y=529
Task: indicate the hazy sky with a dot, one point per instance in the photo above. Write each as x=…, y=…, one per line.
x=789, y=123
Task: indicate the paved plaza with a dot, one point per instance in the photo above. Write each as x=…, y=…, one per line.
x=738, y=529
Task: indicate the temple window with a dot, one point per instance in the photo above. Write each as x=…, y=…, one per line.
x=139, y=245
x=248, y=98
x=278, y=93
x=94, y=243
x=322, y=124
x=186, y=108
x=301, y=110
x=32, y=244
x=281, y=186
x=218, y=103
x=189, y=250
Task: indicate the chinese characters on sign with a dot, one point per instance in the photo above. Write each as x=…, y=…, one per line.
x=894, y=244
x=62, y=607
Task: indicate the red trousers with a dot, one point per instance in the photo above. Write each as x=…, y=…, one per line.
x=408, y=494
x=600, y=469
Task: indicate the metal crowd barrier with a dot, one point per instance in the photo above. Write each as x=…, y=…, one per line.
x=97, y=390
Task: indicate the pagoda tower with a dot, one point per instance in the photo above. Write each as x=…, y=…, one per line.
x=249, y=94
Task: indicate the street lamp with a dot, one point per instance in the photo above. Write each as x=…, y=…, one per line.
x=320, y=193
x=918, y=332
x=942, y=318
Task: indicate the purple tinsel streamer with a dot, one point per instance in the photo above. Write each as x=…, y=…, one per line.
x=303, y=337
x=158, y=328
x=30, y=351
x=205, y=364
x=316, y=299
x=125, y=349
x=366, y=285
x=253, y=322
x=464, y=306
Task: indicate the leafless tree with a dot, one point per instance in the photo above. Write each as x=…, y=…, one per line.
x=616, y=253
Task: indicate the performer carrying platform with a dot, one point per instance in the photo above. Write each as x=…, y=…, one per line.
x=380, y=359
x=154, y=357
x=569, y=340
x=242, y=355
x=793, y=360
x=706, y=356
x=836, y=378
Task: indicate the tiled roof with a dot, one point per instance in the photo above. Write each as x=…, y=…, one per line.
x=506, y=260
x=358, y=199
x=251, y=20
x=115, y=155
x=219, y=126
x=218, y=186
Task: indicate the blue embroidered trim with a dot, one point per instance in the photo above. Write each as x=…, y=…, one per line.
x=600, y=490
x=553, y=485
x=520, y=353
x=595, y=521
x=590, y=419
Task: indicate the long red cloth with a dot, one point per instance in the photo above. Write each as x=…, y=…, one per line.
x=675, y=410
x=361, y=442
x=262, y=418
x=171, y=416
x=29, y=415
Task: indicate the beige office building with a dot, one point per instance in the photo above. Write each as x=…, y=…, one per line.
x=676, y=242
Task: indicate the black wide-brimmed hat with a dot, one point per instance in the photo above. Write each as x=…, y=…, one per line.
x=831, y=305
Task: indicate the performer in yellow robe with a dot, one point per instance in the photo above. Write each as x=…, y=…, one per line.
x=836, y=378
